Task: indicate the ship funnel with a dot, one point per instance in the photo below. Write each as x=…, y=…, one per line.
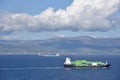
x=106, y=62
x=68, y=61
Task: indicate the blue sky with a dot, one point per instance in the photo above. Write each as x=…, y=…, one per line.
x=31, y=6
x=81, y=23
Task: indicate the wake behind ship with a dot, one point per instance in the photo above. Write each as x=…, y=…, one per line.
x=85, y=63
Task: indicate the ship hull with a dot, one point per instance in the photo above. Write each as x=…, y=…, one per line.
x=98, y=66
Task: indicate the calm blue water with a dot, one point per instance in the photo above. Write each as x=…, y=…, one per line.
x=33, y=67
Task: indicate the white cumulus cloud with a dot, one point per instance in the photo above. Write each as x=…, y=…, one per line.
x=87, y=15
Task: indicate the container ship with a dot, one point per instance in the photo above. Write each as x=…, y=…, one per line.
x=85, y=63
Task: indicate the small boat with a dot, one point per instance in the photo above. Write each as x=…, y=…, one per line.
x=57, y=54
x=51, y=55
x=85, y=63
x=39, y=54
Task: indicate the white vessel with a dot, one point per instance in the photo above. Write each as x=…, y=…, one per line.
x=51, y=55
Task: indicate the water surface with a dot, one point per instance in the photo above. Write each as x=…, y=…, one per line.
x=34, y=67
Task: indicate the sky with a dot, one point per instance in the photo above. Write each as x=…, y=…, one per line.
x=44, y=19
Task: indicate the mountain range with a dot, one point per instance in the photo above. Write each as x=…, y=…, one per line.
x=65, y=45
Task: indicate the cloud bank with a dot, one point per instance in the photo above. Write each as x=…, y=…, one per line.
x=87, y=15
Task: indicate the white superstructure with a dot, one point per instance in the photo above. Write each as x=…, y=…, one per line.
x=68, y=61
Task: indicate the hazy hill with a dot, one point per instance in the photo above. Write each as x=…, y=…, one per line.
x=68, y=45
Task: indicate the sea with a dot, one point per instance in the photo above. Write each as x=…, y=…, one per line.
x=35, y=67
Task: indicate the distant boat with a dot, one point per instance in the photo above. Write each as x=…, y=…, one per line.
x=51, y=55
x=39, y=54
x=57, y=54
